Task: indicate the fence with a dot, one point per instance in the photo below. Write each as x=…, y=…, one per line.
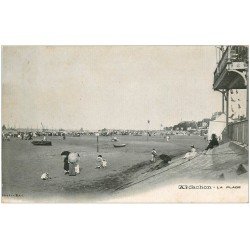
x=239, y=132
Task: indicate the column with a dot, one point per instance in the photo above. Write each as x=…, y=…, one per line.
x=227, y=110
x=223, y=104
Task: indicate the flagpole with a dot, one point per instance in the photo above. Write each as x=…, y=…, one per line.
x=147, y=135
x=148, y=129
x=97, y=142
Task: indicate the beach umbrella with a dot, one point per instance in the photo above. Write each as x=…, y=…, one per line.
x=65, y=153
x=73, y=157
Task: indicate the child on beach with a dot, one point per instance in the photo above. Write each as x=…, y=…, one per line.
x=45, y=176
x=77, y=168
x=101, y=163
x=154, y=154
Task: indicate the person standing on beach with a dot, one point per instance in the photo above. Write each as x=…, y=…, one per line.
x=73, y=160
x=66, y=165
x=154, y=154
x=77, y=167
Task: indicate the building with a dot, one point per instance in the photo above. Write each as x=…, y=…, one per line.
x=231, y=79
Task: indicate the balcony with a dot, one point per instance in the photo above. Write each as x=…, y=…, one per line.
x=230, y=71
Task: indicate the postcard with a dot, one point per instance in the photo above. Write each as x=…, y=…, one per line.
x=125, y=124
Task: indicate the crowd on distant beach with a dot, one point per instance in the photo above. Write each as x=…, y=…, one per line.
x=30, y=134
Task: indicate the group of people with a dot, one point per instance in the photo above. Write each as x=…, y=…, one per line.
x=71, y=160
x=192, y=153
x=6, y=137
x=101, y=162
x=71, y=163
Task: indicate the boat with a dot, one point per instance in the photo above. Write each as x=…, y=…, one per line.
x=42, y=143
x=119, y=145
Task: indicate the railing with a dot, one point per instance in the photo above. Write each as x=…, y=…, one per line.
x=222, y=63
x=239, y=132
x=239, y=54
x=230, y=55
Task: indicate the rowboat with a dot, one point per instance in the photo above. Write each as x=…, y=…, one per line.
x=119, y=145
x=42, y=143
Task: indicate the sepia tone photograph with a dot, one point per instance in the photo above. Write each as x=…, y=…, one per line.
x=125, y=124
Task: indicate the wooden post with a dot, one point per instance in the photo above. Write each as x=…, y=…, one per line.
x=148, y=130
x=227, y=111
x=247, y=89
x=223, y=104
x=97, y=139
x=247, y=108
x=243, y=132
x=97, y=142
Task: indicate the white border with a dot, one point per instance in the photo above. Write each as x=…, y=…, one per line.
x=124, y=226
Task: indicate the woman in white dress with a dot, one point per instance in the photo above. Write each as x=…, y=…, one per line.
x=190, y=155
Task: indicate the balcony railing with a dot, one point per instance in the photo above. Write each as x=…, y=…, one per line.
x=239, y=132
x=222, y=64
x=238, y=54
x=230, y=55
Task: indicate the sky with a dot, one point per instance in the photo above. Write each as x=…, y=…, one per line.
x=95, y=87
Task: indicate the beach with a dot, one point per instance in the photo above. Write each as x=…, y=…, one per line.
x=23, y=164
